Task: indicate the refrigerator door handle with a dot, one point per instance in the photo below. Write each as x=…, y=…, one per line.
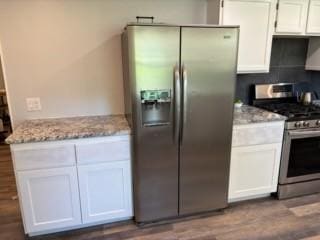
x=177, y=107
x=184, y=99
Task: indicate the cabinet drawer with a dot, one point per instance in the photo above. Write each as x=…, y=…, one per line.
x=254, y=134
x=44, y=157
x=106, y=151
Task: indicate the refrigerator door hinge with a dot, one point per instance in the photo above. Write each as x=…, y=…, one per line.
x=277, y=6
x=275, y=24
x=222, y=4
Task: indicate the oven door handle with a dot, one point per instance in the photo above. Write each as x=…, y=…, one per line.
x=302, y=134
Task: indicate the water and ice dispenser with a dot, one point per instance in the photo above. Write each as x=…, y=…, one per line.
x=155, y=106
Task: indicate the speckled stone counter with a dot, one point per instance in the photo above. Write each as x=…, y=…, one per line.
x=248, y=114
x=69, y=128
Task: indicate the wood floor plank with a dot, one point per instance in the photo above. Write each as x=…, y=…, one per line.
x=312, y=238
x=307, y=209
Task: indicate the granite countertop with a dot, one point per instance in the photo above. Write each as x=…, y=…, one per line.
x=248, y=114
x=40, y=130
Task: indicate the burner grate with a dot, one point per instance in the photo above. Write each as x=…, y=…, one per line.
x=293, y=110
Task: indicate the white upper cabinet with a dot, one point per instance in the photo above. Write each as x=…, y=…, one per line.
x=313, y=24
x=256, y=20
x=291, y=17
x=298, y=17
x=259, y=20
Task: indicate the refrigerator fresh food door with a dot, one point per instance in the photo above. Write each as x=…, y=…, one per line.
x=154, y=53
x=209, y=62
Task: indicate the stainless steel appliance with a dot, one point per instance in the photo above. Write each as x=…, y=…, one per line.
x=179, y=87
x=306, y=97
x=300, y=160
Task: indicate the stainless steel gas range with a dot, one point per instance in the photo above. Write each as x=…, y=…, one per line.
x=300, y=159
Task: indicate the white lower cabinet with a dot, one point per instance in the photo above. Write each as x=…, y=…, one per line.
x=255, y=160
x=49, y=198
x=254, y=170
x=105, y=191
x=74, y=183
x=256, y=19
x=313, y=26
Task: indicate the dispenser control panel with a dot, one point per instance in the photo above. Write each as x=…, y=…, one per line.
x=154, y=96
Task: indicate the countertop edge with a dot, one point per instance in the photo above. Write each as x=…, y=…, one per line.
x=247, y=115
x=258, y=123
x=125, y=133
x=71, y=128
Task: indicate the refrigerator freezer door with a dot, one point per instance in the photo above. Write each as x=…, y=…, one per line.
x=154, y=53
x=209, y=57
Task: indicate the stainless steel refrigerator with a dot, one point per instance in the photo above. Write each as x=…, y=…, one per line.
x=179, y=86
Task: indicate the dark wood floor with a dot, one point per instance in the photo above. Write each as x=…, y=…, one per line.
x=265, y=219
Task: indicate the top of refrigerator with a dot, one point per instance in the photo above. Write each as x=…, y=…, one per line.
x=181, y=25
x=152, y=23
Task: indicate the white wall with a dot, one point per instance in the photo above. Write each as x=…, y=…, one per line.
x=68, y=52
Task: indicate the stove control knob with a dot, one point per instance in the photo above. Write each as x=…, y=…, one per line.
x=306, y=124
x=318, y=123
x=297, y=124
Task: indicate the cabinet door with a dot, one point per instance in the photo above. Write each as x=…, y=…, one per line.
x=254, y=170
x=50, y=198
x=105, y=191
x=256, y=19
x=313, y=57
x=292, y=16
x=313, y=26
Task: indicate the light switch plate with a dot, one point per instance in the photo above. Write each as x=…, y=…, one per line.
x=33, y=104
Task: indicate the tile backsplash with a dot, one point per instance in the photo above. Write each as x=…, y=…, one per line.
x=288, y=59
x=315, y=78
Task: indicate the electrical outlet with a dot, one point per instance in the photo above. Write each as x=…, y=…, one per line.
x=33, y=104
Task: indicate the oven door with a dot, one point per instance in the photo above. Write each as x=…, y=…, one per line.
x=300, y=159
